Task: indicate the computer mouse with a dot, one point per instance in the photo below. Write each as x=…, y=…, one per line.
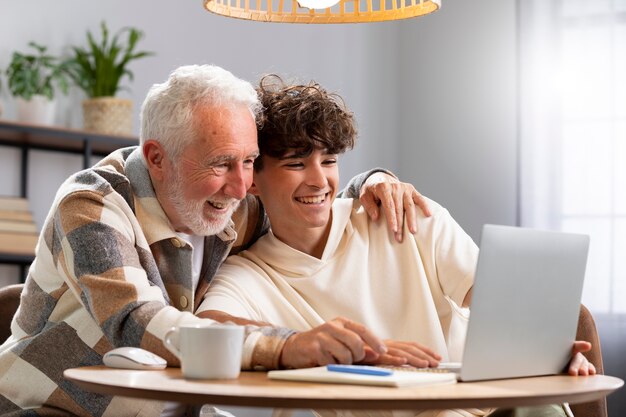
x=133, y=358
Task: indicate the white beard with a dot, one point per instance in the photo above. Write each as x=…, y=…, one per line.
x=192, y=213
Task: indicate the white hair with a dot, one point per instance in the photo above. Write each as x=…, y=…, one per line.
x=167, y=112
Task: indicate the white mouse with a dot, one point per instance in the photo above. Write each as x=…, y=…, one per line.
x=133, y=358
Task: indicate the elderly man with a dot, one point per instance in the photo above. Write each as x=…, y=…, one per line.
x=324, y=258
x=130, y=246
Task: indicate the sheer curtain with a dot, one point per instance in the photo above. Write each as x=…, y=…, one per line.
x=573, y=132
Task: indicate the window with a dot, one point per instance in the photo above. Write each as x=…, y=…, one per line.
x=573, y=133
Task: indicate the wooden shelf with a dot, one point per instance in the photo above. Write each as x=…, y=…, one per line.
x=17, y=239
x=59, y=139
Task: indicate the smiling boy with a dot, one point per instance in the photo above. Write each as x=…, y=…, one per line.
x=325, y=267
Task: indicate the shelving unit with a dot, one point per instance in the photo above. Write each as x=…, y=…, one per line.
x=49, y=138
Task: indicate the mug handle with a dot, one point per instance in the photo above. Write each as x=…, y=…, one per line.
x=170, y=340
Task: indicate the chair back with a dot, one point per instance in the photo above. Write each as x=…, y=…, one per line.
x=587, y=331
x=9, y=301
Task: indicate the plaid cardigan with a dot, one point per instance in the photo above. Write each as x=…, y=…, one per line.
x=110, y=271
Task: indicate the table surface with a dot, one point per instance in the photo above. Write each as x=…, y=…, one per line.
x=253, y=389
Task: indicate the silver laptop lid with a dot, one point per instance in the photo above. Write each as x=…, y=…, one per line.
x=525, y=303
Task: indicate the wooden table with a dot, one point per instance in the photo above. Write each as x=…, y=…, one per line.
x=253, y=389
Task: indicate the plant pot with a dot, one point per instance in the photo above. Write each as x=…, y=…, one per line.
x=39, y=110
x=108, y=115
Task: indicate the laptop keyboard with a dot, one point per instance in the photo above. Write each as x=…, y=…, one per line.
x=408, y=368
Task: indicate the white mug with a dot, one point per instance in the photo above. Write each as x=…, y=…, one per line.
x=207, y=351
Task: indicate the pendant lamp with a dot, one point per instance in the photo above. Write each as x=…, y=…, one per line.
x=322, y=11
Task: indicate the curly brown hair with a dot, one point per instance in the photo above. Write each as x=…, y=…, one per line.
x=301, y=117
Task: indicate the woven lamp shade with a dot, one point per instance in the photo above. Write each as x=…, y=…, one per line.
x=345, y=11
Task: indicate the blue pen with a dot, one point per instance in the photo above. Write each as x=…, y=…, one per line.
x=360, y=369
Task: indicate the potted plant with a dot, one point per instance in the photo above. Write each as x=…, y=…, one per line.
x=98, y=70
x=32, y=79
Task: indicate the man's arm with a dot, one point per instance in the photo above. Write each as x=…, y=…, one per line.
x=340, y=341
x=240, y=294
x=337, y=341
x=95, y=246
x=98, y=245
x=224, y=317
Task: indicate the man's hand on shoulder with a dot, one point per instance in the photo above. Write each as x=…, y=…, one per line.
x=396, y=199
x=337, y=341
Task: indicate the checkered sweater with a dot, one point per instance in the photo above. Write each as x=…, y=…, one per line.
x=110, y=271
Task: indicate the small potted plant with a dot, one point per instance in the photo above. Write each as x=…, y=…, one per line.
x=33, y=79
x=98, y=70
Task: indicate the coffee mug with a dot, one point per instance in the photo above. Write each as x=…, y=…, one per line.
x=207, y=351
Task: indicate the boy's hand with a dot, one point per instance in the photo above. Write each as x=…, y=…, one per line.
x=579, y=365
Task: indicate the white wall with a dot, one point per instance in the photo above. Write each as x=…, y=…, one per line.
x=457, y=140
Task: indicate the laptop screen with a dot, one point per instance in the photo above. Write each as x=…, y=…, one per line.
x=525, y=303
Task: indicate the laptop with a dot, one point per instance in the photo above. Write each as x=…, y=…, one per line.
x=525, y=303
x=524, y=311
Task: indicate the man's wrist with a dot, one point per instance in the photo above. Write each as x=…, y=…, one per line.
x=380, y=177
x=283, y=362
x=264, y=346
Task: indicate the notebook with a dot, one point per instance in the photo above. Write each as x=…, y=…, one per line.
x=396, y=379
x=525, y=303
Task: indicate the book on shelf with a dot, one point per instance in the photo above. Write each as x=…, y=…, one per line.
x=16, y=243
x=8, y=203
x=17, y=226
x=397, y=378
x=24, y=216
x=18, y=231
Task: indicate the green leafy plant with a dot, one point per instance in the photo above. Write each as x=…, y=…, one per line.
x=36, y=74
x=99, y=68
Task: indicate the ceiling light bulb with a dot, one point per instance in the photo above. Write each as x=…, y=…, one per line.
x=317, y=4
